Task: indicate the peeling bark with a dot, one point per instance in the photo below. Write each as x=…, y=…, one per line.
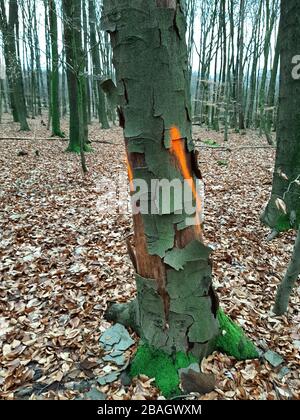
x=175, y=309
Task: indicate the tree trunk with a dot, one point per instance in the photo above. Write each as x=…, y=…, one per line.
x=271, y=112
x=55, y=100
x=270, y=21
x=285, y=289
x=240, y=68
x=75, y=76
x=288, y=130
x=13, y=65
x=48, y=62
x=176, y=306
x=97, y=71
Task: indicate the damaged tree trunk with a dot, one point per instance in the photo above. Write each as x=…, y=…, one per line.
x=175, y=309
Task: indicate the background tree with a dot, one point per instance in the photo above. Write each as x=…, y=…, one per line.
x=13, y=66
x=97, y=72
x=287, y=165
x=76, y=78
x=55, y=65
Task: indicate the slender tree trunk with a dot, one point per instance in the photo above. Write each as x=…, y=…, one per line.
x=55, y=86
x=39, y=77
x=13, y=66
x=240, y=68
x=270, y=20
x=97, y=71
x=48, y=62
x=271, y=95
x=75, y=76
x=87, y=92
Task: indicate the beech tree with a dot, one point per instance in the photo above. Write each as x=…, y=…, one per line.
x=55, y=101
x=287, y=165
x=285, y=288
x=283, y=209
x=176, y=309
x=97, y=72
x=13, y=66
x=75, y=74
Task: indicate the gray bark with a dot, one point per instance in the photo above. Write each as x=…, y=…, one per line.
x=285, y=288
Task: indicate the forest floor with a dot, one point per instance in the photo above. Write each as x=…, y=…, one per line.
x=62, y=259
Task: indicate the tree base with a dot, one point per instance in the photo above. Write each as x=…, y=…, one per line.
x=105, y=126
x=233, y=341
x=155, y=363
x=25, y=128
x=275, y=219
x=161, y=366
x=77, y=149
x=59, y=134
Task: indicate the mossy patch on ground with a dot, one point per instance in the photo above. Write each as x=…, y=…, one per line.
x=233, y=341
x=164, y=368
x=159, y=365
x=211, y=143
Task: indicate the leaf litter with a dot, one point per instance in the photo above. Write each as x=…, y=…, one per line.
x=62, y=261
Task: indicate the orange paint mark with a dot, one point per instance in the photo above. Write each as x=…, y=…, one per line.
x=178, y=150
x=130, y=174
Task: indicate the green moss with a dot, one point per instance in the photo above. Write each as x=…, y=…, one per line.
x=222, y=163
x=164, y=368
x=159, y=365
x=233, y=341
x=283, y=223
x=211, y=143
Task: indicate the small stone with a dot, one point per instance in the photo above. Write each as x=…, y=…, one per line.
x=37, y=375
x=194, y=366
x=107, y=379
x=125, y=379
x=297, y=344
x=95, y=395
x=116, y=353
x=116, y=337
x=80, y=386
x=283, y=372
x=197, y=382
x=119, y=360
x=107, y=369
x=24, y=392
x=273, y=358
